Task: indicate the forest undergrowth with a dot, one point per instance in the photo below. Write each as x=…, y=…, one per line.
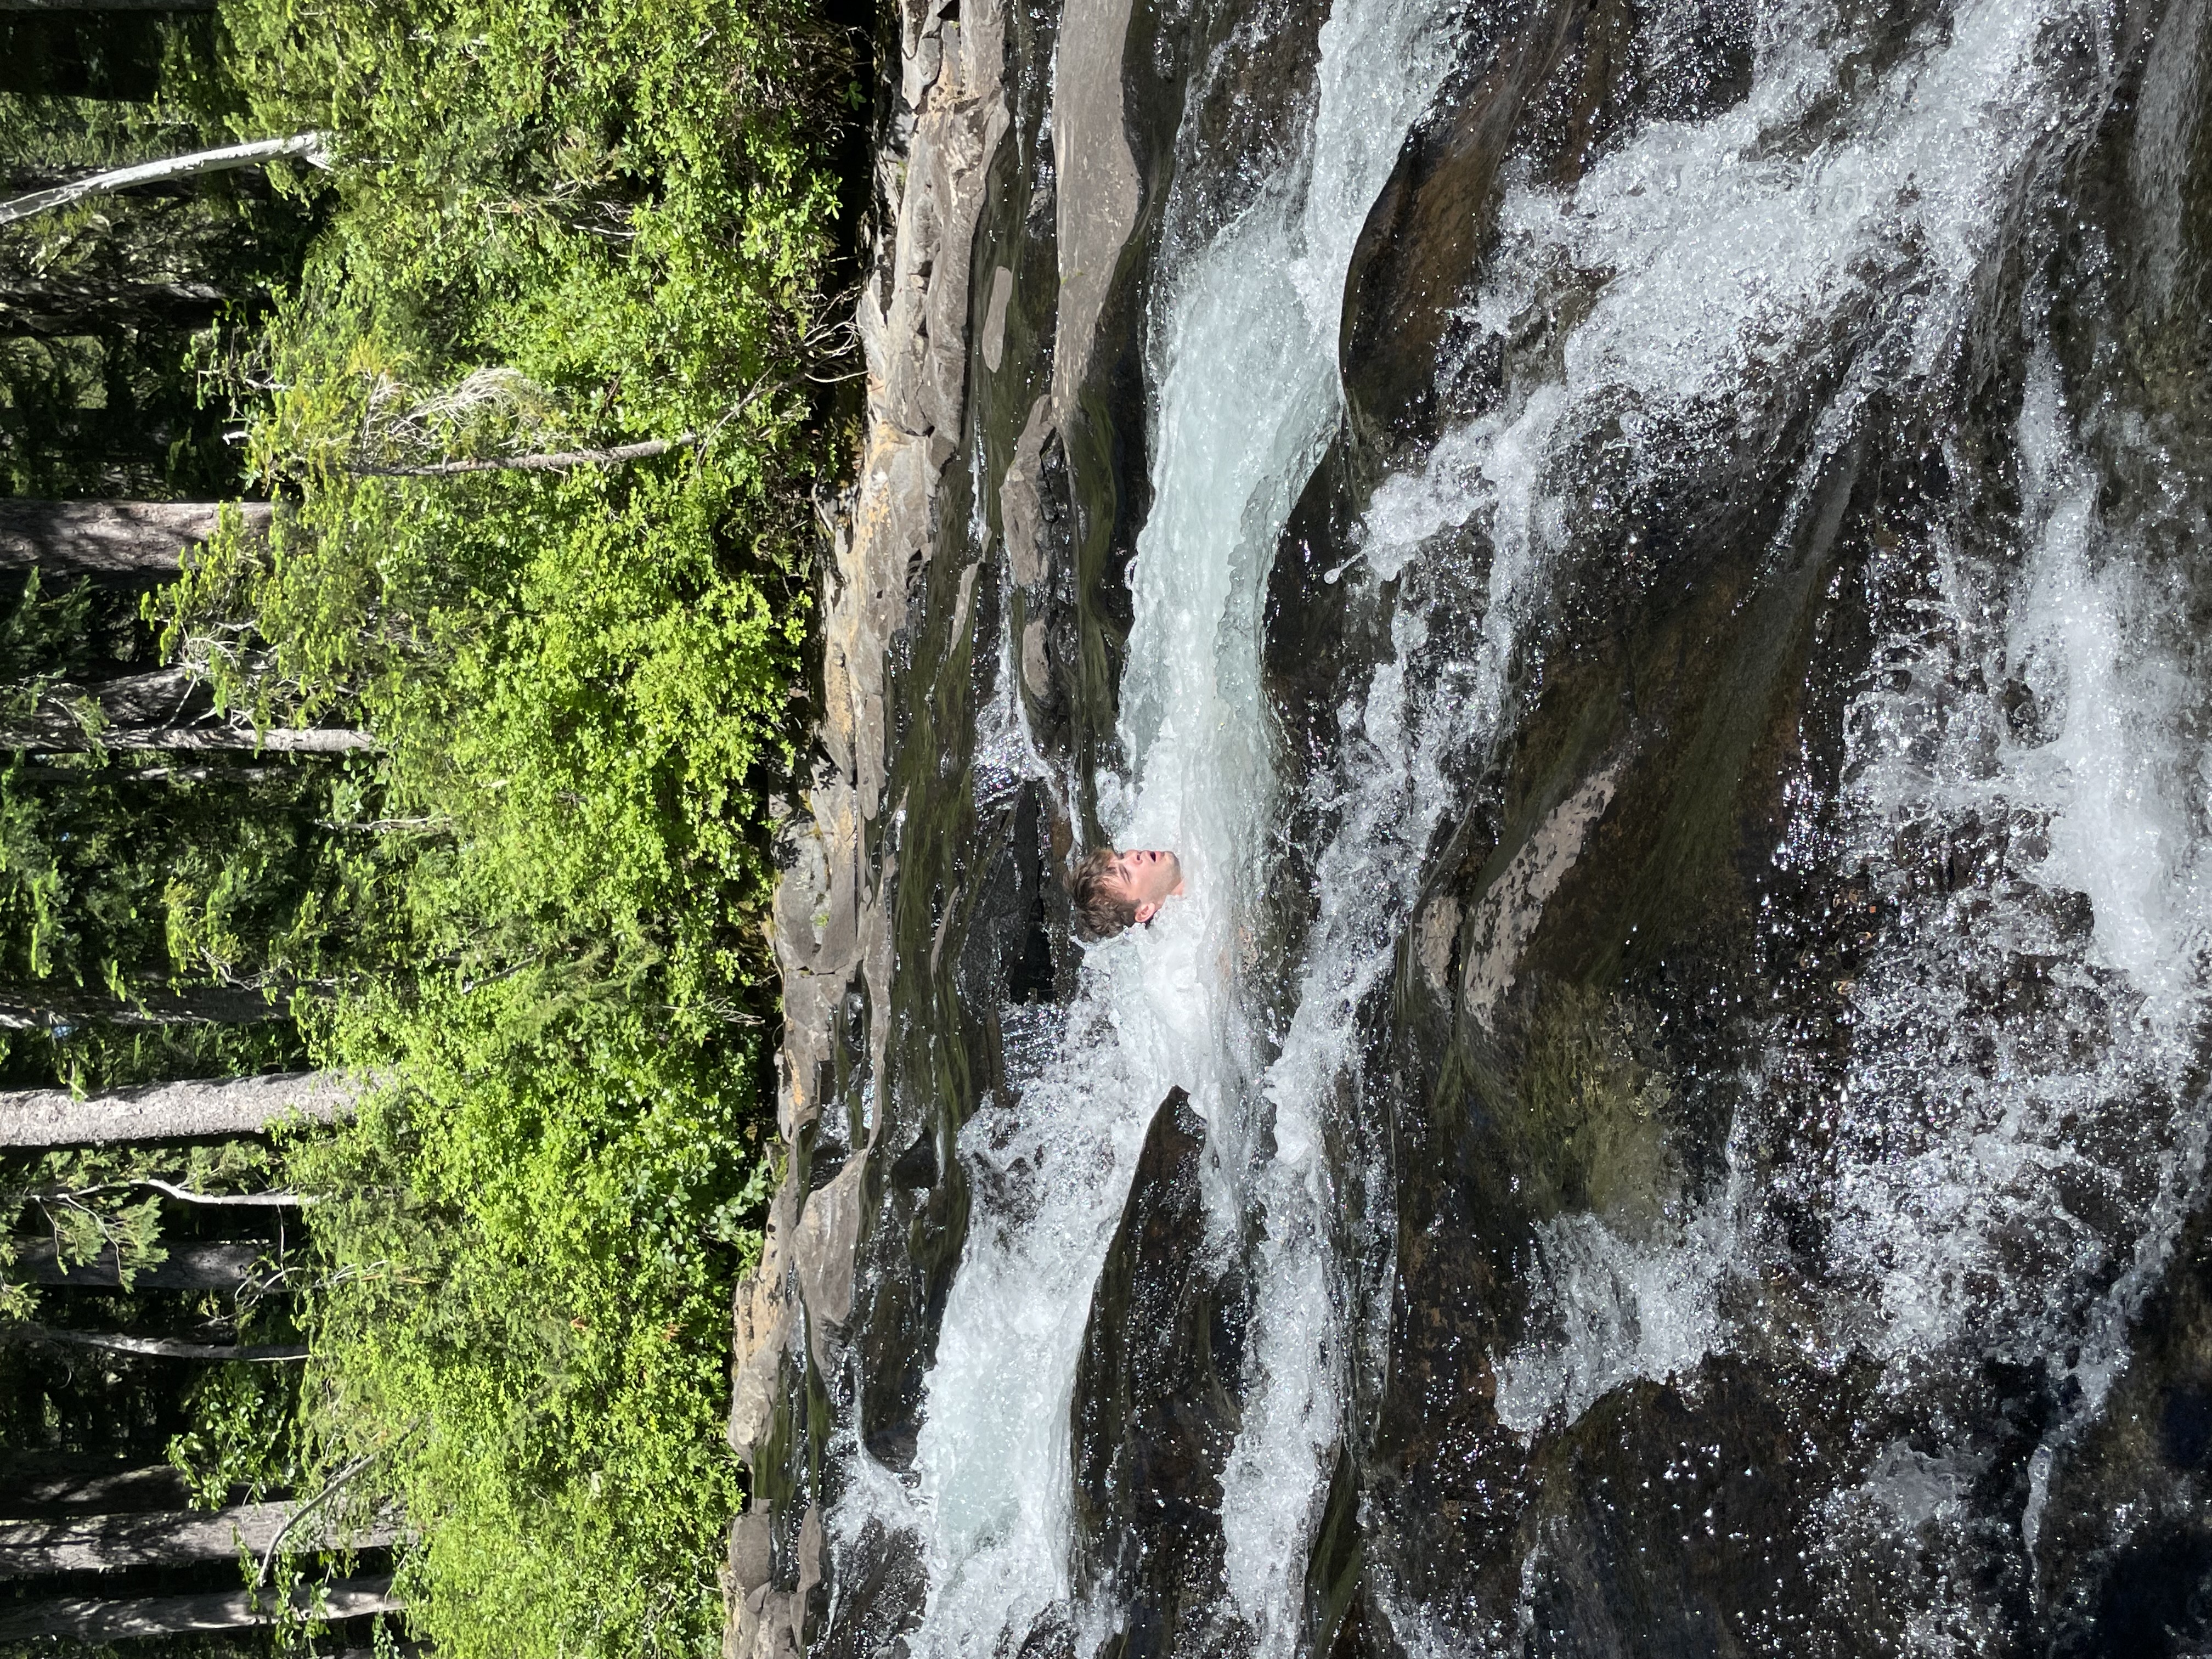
x=558, y=228
x=542, y=410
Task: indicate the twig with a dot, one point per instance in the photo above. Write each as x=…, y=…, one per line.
x=507, y=972
x=429, y=821
x=329, y=1491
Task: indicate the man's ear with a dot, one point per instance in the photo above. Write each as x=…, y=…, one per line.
x=1146, y=912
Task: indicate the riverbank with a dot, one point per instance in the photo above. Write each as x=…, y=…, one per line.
x=916, y=583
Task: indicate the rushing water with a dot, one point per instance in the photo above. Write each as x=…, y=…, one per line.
x=1249, y=395
x=1858, y=1178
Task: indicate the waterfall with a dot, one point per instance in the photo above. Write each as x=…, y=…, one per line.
x=1948, y=1123
x=1249, y=396
x=1720, y=267
x=1714, y=266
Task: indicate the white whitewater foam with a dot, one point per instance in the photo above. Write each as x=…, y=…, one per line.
x=1726, y=264
x=1954, y=1201
x=1394, y=786
x=1245, y=362
x=2127, y=799
x=1625, y=1309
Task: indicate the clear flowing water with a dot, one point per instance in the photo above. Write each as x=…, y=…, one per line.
x=1249, y=396
x=1990, y=1187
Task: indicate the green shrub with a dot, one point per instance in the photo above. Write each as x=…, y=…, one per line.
x=552, y=228
x=527, y=1251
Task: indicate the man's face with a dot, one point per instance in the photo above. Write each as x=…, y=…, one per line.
x=1145, y=878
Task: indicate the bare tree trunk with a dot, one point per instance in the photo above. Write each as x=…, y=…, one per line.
x=217, y=1266
x=138, y=540
x=40, y=1007
x=148, y=711
x=206, y=772
x=309, y=146
x=272, y=1200
x=276, y=740
x=59, y=308
x=95, y=1543
x=159, y=1347
x=175, y=1111
x=89, y=1619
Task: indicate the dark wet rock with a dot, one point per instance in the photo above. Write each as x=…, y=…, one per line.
x=1052, y=1637
x=1627, y=984
x=2150, y=1452
x=1219, y=111
x=917, y=1166
x=1591, y=958
x=1417, y=255
x=1542, y=86
x=1331, y=1614
x=1599, y=1082
x=1155, y=1409
x=882, y=1570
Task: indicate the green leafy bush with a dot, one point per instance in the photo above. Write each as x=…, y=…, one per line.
x=597, y=232
x=528, y=1251
x=116, y=882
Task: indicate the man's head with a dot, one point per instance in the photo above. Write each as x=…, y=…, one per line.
x=1114, y=891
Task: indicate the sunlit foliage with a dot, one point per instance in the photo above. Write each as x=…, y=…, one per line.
x=543, y=418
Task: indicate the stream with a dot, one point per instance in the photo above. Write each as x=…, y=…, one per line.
x=1649, y=559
